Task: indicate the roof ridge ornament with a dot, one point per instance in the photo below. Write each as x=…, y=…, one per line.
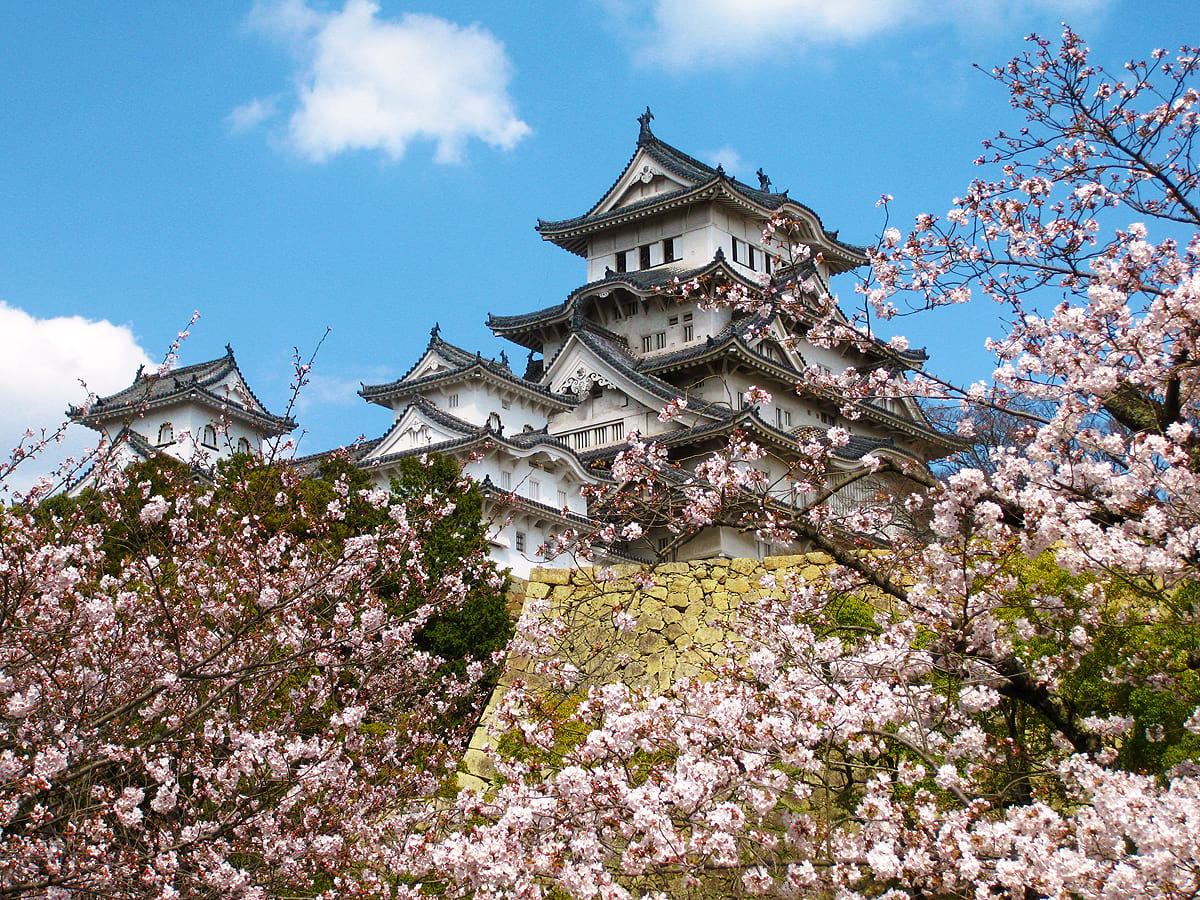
x=764, y=183
x=435, y=330
x=644, y=133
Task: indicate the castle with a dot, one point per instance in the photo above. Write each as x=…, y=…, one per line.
x=603, y=364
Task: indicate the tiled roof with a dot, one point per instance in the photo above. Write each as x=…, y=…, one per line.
x=309, y=464
x=469, y=436
x=644, y=281
x=196, y=382
x=464, y=365
x=627, y=365
x=701, y=176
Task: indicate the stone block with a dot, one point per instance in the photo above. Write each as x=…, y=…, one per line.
x=820, y=559
x=537, y=590
x=737, y=585
x=743, y=566
x=647, y=606
x=812, y=573
x=550, y=576
x=651, y=622
x=675, y=568
x=626, y=570
x=650, y=642
x=670, y=614
x=679, y=600
x=771, y=563
x=695, y=593
x=672, y=632
x=707, y=636
x=708, y=584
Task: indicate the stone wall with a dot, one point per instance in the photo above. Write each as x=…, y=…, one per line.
x=639, y=625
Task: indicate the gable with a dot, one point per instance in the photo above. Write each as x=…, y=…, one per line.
x=233, y=387
x=578, y=368
x=642, y=178
x=414, y=429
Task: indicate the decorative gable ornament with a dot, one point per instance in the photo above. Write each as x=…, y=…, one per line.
x=581, y=381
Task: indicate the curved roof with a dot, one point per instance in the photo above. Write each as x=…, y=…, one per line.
x=200, y=383
x=644, y=282
x=463, y=365
x=703, y=182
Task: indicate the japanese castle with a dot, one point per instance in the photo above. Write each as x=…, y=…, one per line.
x=604, y=363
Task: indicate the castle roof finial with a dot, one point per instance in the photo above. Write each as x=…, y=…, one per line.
x=644, y=120
x=764, y=183
x=435, y=330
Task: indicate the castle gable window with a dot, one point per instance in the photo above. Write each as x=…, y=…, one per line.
x=209, y=439
x=166, y=434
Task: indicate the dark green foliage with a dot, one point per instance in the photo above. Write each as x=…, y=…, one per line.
x=481, y=626
x=283, y=503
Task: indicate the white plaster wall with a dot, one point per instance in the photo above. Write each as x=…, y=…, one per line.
x=655, y=314
x=188, y=423
x=477, y=400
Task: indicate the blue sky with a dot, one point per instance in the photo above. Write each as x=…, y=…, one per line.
x=284, y=167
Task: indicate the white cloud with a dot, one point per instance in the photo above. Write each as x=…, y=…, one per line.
x=323, y=391
x=728, y=158
x=43, y=363
x=688, y=33
x=366, y=83
x=252, y=114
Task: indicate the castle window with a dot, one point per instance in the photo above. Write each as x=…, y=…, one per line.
x=750, y=256
x=783, y=418
x=644, y=256
x=621, y=266
x=562, y=499
x=452, y=401
x=520, y=542
x=735, y=250
x=674, y=320
x=669, y=250
x=535, y=490
x=630, y=309
x=243, y=445
x=210, y=437
x=655, y=341
x=689, y=332
x=506, y=481
x=166, y=434
x=827, y=418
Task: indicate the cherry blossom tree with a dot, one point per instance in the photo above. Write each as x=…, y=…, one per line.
x=218, y=689
x=1007, y=708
